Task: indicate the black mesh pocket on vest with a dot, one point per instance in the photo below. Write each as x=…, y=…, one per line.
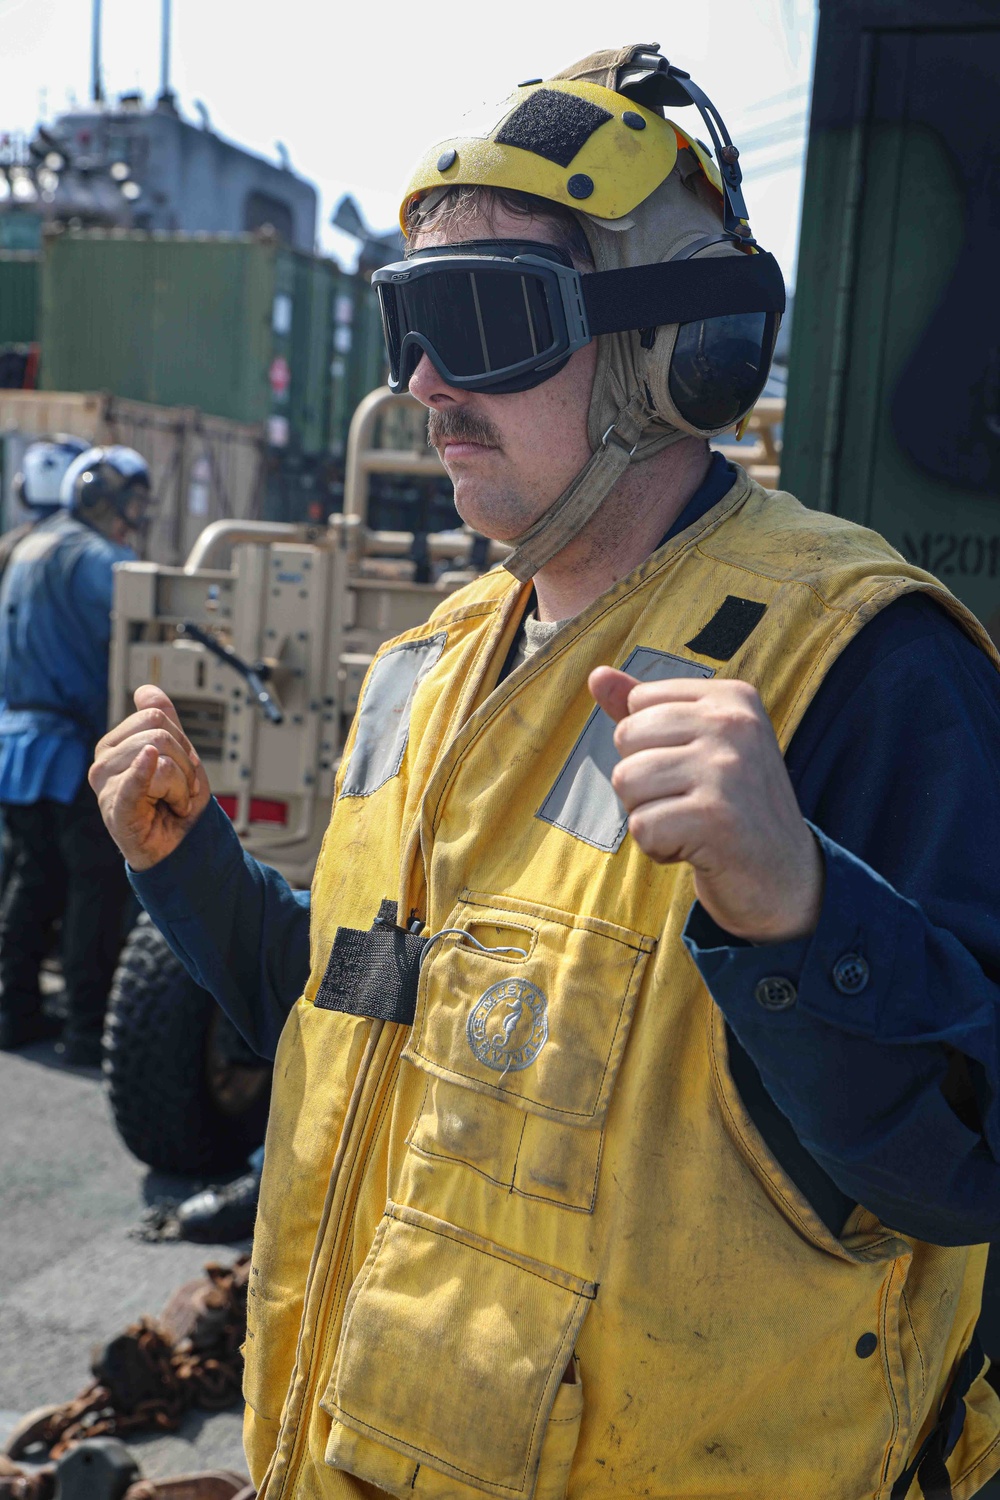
x=373, y=973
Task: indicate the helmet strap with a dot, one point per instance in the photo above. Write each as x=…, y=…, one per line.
x=567, y=517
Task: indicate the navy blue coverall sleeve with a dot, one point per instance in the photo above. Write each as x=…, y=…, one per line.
x=236, y=925
x=883, y=1056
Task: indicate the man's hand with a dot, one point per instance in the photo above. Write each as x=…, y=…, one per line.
x=150, y=784
x=704, y=781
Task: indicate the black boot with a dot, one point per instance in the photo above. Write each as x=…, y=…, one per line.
x=19, y=1028
x=80, y=1048
x=221, y=1214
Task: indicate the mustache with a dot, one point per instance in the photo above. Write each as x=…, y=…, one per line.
x=459, y=426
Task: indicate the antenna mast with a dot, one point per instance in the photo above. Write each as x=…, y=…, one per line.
x=166, y=92
x=96, y=86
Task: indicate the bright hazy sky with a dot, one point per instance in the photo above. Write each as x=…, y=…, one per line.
x=357, y=91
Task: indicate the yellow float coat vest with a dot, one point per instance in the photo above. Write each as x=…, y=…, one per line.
x=534, y=1243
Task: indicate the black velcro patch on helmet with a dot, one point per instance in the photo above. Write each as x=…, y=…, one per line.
x=553, y=125
x=728, y=628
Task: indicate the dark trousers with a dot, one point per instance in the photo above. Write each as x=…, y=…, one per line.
x=63, y=863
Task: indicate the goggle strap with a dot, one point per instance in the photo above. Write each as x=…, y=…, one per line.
x=567, y=517
x=682, y=291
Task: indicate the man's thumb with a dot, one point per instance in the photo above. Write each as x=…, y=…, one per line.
x=150, y=696
x=610, y=688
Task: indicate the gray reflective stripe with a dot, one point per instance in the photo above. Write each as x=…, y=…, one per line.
x=582, y=800
x=384, y=714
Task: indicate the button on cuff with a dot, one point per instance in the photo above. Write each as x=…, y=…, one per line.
x=851, y=974
x=855, y=942
x=775, y=992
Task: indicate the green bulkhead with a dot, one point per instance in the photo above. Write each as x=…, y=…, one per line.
x=893, y=415
x=18, y=297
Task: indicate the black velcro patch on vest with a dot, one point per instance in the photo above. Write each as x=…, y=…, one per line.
x=728, y=628
x=553, y=125
x=373, y=973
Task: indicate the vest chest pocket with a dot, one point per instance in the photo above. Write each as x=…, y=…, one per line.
x=523, y=1051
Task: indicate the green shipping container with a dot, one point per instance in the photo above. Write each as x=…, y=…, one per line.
x=358, y=363
x=239, y=326
x=18, y=297
x=893, y=414
x=20, y=228
x=313, y=293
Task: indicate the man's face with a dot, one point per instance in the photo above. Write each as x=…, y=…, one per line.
x=510, y=456
x=137, y=508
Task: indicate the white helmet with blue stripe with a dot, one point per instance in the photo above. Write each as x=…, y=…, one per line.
x=38, y=483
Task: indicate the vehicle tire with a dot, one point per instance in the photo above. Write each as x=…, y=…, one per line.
x=187, y=1094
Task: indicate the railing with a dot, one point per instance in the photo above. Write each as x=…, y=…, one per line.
x=761, y=457
x=403, y=447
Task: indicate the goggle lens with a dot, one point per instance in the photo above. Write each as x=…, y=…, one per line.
x=447, y=309
x=476, y=323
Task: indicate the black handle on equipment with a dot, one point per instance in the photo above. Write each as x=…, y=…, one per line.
x=255, y=676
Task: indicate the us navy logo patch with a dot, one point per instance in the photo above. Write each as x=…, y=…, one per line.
x=508, y=1025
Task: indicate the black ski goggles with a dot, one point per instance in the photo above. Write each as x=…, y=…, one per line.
x=505, y=315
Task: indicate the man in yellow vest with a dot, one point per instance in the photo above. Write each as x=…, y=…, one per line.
x=632, y=1134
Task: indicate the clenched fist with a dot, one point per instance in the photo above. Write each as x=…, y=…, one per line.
x=150, y=784
x=703, y=780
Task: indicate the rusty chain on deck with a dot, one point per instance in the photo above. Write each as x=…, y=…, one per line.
x=147, y=1378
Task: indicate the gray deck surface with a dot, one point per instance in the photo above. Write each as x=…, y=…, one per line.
x=71, y=1277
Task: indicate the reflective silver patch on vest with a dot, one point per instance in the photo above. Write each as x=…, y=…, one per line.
x=582, y=801
x=508, y=1026
x=384, y=714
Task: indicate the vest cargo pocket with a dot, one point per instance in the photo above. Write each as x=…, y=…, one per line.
x=455, y=1124
x=452, y=1352
x=521, y=1152
x=561, y=1437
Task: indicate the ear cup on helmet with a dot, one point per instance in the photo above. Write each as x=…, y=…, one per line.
x=703, y=377
x=719, y=367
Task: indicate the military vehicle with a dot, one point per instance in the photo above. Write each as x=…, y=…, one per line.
x=262, y=639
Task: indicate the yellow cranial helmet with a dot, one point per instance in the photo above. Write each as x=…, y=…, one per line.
x=573, y=142
x=682, y=303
